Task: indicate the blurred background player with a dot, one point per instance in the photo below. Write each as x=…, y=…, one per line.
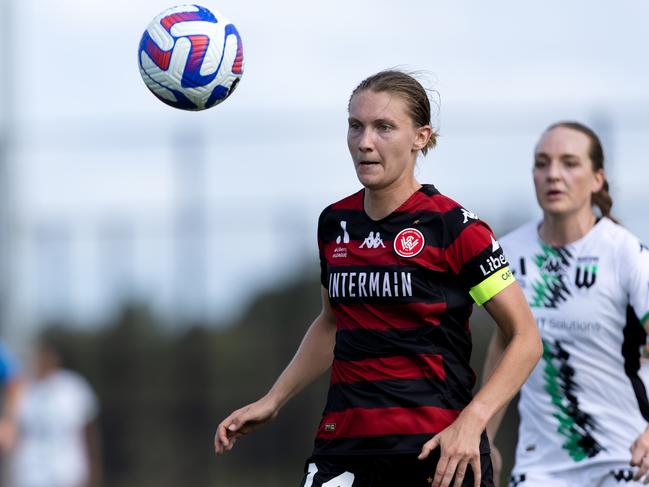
x=11, y=382
x=58, y=440
x=401, y=265
x=584, y=409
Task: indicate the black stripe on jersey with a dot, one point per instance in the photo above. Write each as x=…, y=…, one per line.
x=387, y=443
x=359, y=225
x=360, y=344
x=440, y=229
x=483, y=265
x=393, y=393
x=451, y=334
x=635, y=337
x=429, y=190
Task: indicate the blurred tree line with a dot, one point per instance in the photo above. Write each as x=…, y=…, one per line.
x=163, y=392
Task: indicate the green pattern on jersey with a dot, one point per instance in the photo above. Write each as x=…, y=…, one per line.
x=574, y=425
x=551, y=289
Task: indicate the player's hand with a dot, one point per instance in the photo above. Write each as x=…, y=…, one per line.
x=459, y=447
x=497, y=464
x=242, y=422
x=640, y=456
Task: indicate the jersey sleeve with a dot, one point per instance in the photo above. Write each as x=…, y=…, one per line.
x=634, y=272
x=324, y=276
x=478, y=259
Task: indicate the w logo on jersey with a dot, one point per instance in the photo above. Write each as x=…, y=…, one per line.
x=586, y=272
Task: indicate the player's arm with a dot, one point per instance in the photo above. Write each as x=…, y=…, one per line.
x=633, y=274
x=313, y=357
x=93, y=448
x=513, y=353
x=9, y=418
x=640, y=447
x=495, y=350
x=459, y=442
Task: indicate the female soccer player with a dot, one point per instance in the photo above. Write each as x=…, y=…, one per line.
x=401, y=265
x=584, y=409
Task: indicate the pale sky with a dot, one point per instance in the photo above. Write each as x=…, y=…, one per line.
x=94, y=146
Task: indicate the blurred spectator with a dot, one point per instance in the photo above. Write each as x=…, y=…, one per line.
x=58, y=439
x=11, y=382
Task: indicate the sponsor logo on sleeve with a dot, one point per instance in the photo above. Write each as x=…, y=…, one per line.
x=409, y=243
x=492, y=264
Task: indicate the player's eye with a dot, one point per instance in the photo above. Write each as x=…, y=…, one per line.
x=540, y=163
x=571, y=162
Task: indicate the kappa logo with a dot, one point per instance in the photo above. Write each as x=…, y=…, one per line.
x=468, y=214
x=409, y=243
x=372, y=241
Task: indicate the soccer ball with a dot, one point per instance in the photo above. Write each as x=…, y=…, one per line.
x=191, y=58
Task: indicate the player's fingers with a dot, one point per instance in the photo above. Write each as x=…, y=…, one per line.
x=220, y=438
x=440, y=471
x=460, y=473
x=637, y=454
x=643, y=468
x=428, y=447
x=477, y=471
x=447, y=478
x=233, y=440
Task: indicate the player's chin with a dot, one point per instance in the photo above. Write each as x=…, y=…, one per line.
x=370, y=180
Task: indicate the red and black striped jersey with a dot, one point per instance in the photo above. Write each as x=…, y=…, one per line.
x=402, y=290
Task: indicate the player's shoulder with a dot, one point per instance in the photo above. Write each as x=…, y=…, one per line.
x=610, y=233
x=353, y=202
x=455, y=216
x=430, y=198
x=607, y=229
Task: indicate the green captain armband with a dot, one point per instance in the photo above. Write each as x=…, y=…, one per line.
x=492, y=285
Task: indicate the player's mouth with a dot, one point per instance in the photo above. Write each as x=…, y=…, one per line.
x=553, y=193
x=368, y=163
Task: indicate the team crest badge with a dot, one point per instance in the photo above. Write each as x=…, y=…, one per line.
x=409, y=242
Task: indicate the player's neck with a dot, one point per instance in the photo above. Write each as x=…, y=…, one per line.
x=379, y=203
x=560, y=230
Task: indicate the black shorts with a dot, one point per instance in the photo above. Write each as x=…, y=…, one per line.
x=401, y=470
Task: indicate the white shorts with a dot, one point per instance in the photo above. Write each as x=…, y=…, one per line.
x=603, y=475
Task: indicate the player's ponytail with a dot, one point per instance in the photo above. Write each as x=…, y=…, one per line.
x=602, y=198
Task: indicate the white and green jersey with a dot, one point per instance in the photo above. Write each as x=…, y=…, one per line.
x=584, y=402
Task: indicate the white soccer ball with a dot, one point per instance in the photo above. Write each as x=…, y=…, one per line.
x=190, y=57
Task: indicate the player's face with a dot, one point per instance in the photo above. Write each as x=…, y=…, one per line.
x=383, y=140
x=563, y=172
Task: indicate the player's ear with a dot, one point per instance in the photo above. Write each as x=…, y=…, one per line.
x=422, y=136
